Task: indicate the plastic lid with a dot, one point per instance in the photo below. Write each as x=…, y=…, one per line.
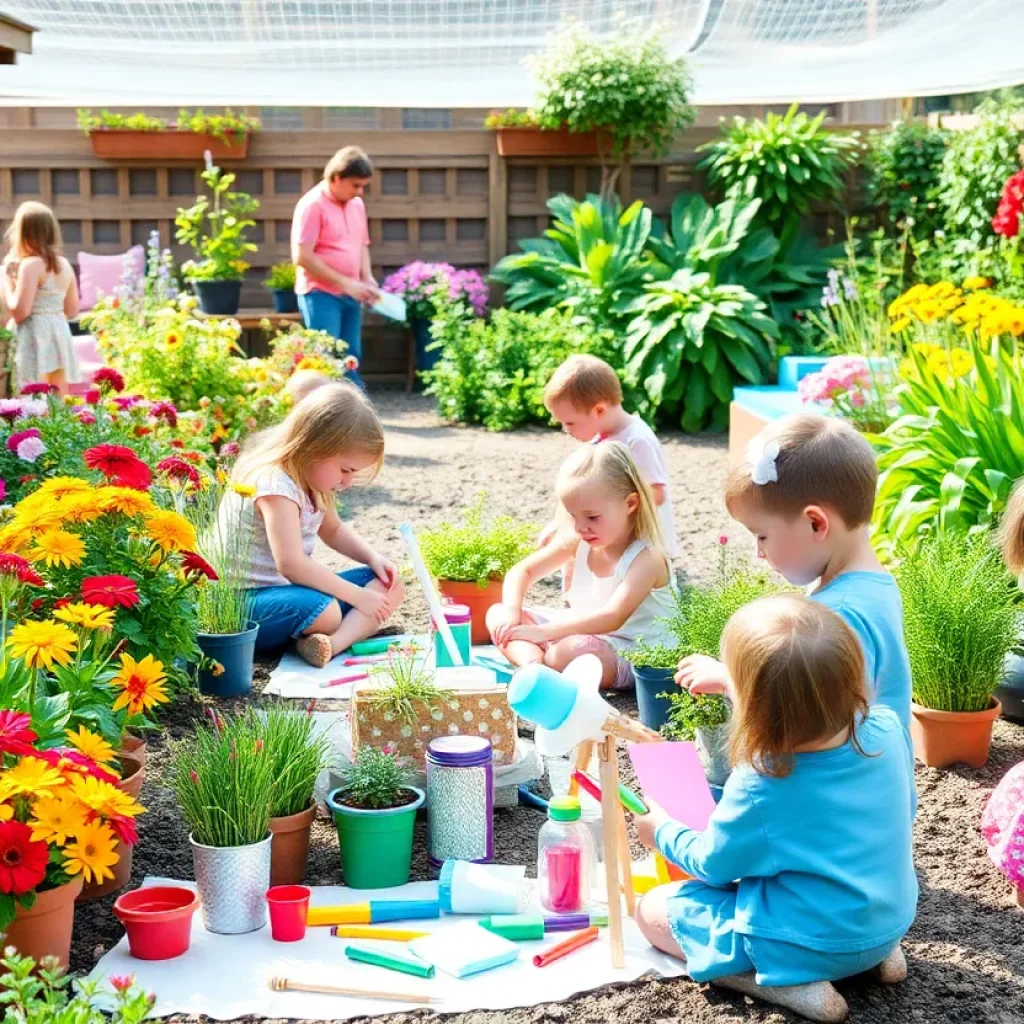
x=564, y=808
x=444, y=885
x=460, y=751
x=456, y=613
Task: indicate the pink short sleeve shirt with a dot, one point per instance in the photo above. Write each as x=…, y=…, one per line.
x=337, y=232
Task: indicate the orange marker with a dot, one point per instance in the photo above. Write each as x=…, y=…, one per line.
x=566, y=946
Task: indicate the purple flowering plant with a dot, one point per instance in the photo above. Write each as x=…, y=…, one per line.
x=423, y=285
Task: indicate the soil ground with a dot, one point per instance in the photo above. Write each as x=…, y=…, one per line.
x=965, y=950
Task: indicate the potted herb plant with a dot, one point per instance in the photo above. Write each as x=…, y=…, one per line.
x=281, y=283
x=374, y=812
x=224, y=782
x=139, y=136
x=216, y=232
x=703, y=720
x=960, y=620
x=300, y=753
x=654, y=666
x=470, y=559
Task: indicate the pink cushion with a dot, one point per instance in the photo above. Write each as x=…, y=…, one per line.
x=102, y=274
x=89, y=362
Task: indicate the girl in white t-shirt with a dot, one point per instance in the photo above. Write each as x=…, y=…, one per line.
x=329, y=441
x=621, y=583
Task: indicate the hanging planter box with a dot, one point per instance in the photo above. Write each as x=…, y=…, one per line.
x=526, y=141
x=115, y=144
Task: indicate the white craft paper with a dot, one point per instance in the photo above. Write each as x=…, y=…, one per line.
x=391, y=306
x=225, y=976
x=465, y=950
x=487, y=888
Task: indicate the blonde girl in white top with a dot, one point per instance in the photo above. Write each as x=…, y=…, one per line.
x=38, y=287
x=621, y=586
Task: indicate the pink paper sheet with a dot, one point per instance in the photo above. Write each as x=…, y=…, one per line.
x=670, y=774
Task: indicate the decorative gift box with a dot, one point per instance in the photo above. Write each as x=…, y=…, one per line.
x=480, y=712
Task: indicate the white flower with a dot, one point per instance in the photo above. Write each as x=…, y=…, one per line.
x=762, y=455
x=34, y=407
x=30, y=449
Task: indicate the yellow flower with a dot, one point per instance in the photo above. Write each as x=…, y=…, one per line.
x=15, y=539
x=31, y=776
x=42, y=644
x=91, y=616
x=93, y=853
x=57, y=818
x=222, y=477
x=6, y=812
x=142, y=682
x=171, y=531
x=960, y=362
x=901, y=324
x=244, y=490
x=974, y=283
x=171, y=338
x=81, y=508
x=104, y=798
x=125, y=500
x=219, y=433
x=92, y=745
x=62, y=486
x=58, y=547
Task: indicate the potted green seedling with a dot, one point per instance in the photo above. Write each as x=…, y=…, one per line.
x=703, y=720
x=281, y=283
x=374, y=811
x=654, y=666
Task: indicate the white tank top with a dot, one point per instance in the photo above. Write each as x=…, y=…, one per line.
x=589, y=592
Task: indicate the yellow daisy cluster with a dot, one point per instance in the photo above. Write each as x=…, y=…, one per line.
x=970, y=307
x=948, y=364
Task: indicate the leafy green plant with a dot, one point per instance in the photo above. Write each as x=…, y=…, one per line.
x=959, y=619
x=952, y=455
x=45, y=993
x=644, y=655
x=298, y=752
x=688, y=343
x=225, y=781
x=214, y=226
x=494, y=371
x=227, y=127
x=281, y=277
x=376, y=779
x=903, y=164
x=789, y=162
x=626, y=87
x=404, y=685
x=690, y=712
x=510, y=118
x=90, y=122
x=475, y=551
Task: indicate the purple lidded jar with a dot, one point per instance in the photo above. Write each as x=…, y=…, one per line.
x=460, y=799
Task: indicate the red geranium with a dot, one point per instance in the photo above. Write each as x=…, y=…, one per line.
x=22, y=861
x=179, y=469
x=107, y=378
x=164, y=411
x=92, y=396
x=194, y=563
x=86, y=417
x=120, y=464
x=125, y=829
x=16, y=736
x=177, y=443
x=22, y=435
x=37, y=389
x=1006, y=222
x=110, y=591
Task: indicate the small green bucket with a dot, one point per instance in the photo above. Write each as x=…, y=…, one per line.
x=375, y=845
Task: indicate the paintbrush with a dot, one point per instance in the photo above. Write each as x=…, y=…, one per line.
x=290, y=985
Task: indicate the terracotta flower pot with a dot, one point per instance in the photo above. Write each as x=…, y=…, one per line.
x=289, y=846
x=132, y=775
x=527, y=141
x=943, y=738
x=1020, y=898
x=118, y=144
x=45, y=930
x=477, y=599
x=135, y=746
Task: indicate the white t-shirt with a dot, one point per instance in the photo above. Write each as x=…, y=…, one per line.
x=649, y=457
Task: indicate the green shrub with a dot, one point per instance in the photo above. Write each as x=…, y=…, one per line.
x=281, y=277
x=959, y=619
x=690, y=712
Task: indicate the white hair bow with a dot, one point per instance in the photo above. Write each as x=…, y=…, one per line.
x=761, y=455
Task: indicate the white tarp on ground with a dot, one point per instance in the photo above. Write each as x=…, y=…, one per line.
x=225, y=976
x=452, y=53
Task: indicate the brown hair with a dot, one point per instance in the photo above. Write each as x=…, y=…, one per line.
x=1011, y=531
x=821, y=460
x=333, y=420
x=585, y=381
x=798, y=674
x=35, y=232
x=350, y=162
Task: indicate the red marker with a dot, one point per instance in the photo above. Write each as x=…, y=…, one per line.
x=566, y=946
x=342, y=680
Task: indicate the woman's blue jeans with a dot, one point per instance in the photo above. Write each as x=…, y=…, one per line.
x=341, y=317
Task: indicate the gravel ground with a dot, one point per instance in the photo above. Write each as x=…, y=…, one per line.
x=965, y=952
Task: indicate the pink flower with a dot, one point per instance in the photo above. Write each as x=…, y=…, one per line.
x=86, y=417
x=723, y=539
x=122, y=982
x=15, y=439
x=30, y=449
x=10, y=409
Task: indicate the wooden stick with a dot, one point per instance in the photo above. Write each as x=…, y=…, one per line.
x=584, y=752
x=290, y=985
x=610, y=807
x=625, y=859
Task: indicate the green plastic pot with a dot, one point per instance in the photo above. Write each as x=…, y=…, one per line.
x=375, y=845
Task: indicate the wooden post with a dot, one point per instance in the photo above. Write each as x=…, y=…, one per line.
x=497, y=207
x=611, y=808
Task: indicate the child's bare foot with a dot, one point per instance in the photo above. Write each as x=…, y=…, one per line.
x=315, y=648
x=816, y=1001
x=893, y=969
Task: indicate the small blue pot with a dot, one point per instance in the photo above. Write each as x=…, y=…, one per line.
x=235, y=652
x=285, y=300
x=650, y=682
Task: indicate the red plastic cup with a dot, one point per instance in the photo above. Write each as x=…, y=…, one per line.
x=289, y=905
x=158, y=920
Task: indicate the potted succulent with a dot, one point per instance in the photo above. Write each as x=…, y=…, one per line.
x=224, y=782
x=960, y=620
x=469, y=559
x=216, y=232
x=281, y=283
x=300, y=753
x=703, y=720
x=141, y=137
x=374, y=812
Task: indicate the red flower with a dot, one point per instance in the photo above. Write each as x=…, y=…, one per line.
x=164, y=411
x=26, y=479
x=3, y=488
x=125, y=829
x=110, y=591
x=143, y=431
x=122, y=982
x=16, y=734
x=38, y=604
x=119, y=464
x=86, y=417
x=15, y=565
x=126, y=402
x=1006, y=222
x=177, y=443
x=108, y=379
x=65, y=758
x=22, y=861
x=15, y=439
x=179, y=468
x=193, y=563
x=192, y=457
x=92, y=396
x=37, y=389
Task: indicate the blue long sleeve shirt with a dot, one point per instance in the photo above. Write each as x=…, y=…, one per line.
x=823, y=856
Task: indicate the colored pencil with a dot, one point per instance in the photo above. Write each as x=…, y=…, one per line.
x=566, y=946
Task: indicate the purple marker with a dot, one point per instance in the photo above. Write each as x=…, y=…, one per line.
x=574, y=922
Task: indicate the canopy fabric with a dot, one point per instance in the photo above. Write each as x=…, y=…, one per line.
x=469, y=53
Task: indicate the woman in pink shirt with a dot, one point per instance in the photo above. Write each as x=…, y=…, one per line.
x=330, y=249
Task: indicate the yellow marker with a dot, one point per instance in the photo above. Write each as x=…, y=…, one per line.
x=357, y=913
x=359, y=931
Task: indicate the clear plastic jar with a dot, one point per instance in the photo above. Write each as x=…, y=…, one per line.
x=565, y=856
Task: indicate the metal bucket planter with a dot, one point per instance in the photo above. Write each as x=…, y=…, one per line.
x=233, y=883
x=713, y=750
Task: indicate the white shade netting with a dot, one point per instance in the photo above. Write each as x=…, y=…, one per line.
x=469, y=53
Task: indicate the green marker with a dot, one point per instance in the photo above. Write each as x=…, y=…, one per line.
x=378, y=644
x=392, y=961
